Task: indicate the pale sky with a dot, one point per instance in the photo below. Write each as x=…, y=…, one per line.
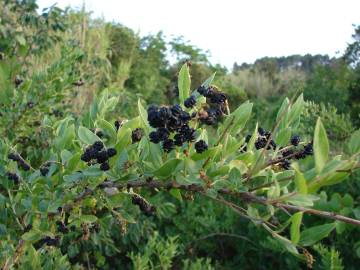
x=237, y=30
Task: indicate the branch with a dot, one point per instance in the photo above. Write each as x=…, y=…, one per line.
x=247, y=197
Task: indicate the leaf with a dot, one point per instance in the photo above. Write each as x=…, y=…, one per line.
x=295, y=227
x=176, y=193
x=31, y=236
x=302, y=199
x=238, y=118
x=143, y=116
x=283, y=136
x=88, y=218
x=168, y=168
x=73, y=177
x=296, y=109
x=312, y=235
x=107, y=128
x=300, y=181
x=65, y=155
x=209, y=80
x=86, y=136
x=354, y=143
x=184, y=83
x=286, y=243
x=321, y=146
x=282, y=114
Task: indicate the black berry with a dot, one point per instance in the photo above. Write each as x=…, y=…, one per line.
x=111, y=152
x=98, y=145
x=104, y=166
x=190, y=102
x=295, y=139
x=102, y=156
x=201, y=146
x=168, y=145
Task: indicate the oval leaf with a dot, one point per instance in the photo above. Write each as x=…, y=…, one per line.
x=86, y=136
x=321, y=146
x=184, y=83
x=315, y=234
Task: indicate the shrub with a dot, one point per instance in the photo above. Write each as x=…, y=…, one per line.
x=68, y=210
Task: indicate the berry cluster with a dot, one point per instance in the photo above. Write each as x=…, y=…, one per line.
x=293, y=153
x=20, y=161
x=263, y=137
x=98, y=152
x=13, y=177
x=169, y=120
x=136, y=135
x=144, y=206
x=217, y=105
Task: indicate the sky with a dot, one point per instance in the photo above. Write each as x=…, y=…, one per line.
x=236, y=30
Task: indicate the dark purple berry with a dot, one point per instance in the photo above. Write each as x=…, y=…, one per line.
x=295, y=139
x=190, y=102
x=104, y=166
x=111, y=152
x=201, y=146
x=13, y=177
x=102, y=156
x=154, y=137
x=98, y=145
x=286, y=165
x=168, y=145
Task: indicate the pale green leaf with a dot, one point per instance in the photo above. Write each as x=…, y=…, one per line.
x=184, y=83
x=321, y=146
x=295, y=227
x=86, y=136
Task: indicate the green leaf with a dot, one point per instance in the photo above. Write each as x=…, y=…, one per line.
x=88, y=218
x=86, y=136
x=32, y=236
x=302, y=199
x=176, y=193
x=108, y=128
x=295, y=227
x=300, y=181
x=238, y=118
x=321, y=146
x=312, y=235
x=184, y=83
x=283, y=136
x=168, y=168
x=282, y=114
x=143, y=116
x=286, y=244
x=209, y=80
x=354, y=143
x=296, y=110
